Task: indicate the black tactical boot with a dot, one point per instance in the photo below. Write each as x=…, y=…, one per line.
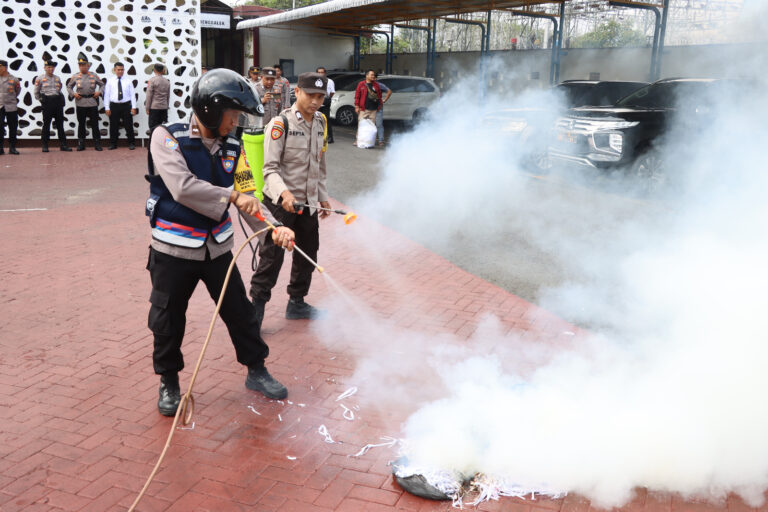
x=80, y=145
x=65, y=148
x=2, y=152
x=260, y=380
x=258, y=305
x=98, y=145
x=12, y=150
x=170, y=395
x=45, y=147
x=298, y=309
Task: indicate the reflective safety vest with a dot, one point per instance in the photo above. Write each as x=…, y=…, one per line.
x=176, y=224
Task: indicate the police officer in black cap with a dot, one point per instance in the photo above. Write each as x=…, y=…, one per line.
x=294, y=172
x=10, y=87
x=191, y=188
x=48, y=92
x=85, y=87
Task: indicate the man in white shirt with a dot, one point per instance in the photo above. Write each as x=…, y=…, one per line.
x=326, y=108
x=120, y=106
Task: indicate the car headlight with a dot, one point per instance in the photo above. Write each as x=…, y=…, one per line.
x=617, y=125
x=334, y=99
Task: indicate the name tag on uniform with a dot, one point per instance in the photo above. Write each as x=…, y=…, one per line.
x=296, y=133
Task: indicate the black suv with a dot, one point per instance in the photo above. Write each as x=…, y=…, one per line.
x=532, y=125
x=628, y=135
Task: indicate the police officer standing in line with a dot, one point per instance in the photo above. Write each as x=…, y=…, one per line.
x=82, y=87
x=284, y=84
x=294, y=171
x=253, y=79
x=9, y=115
x=48, y=92
x=326, y=108
x=158, y=94
x=271, y=96
x=120, y=106
x=191, y=182
x=254, y=75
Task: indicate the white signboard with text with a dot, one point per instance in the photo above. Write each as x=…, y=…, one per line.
x=208, y=20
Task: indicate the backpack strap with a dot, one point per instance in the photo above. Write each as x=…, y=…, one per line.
x=325, y=131
x=285, y=133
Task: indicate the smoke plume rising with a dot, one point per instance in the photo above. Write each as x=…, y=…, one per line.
x=668, y=392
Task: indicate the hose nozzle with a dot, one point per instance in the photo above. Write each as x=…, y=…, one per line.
x=349, y=217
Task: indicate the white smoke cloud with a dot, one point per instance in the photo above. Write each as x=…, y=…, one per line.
x=668, y=393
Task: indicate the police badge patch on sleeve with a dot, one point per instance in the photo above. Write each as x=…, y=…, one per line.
x=171, y=143
x=228, y=163
x=277, y=130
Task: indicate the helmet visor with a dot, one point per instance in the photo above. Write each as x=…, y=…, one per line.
x=250, y=122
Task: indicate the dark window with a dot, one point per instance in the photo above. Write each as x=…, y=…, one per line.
x=408, y=85
x=348, y=82
x=424, y=86
x=575, y=93
x=287, y=66
x=664, y=94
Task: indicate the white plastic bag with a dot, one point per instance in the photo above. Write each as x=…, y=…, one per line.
x=366, y=134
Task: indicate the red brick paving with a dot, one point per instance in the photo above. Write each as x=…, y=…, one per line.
x=79, y=430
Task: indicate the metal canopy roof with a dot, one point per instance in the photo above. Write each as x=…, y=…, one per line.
x=345, y=15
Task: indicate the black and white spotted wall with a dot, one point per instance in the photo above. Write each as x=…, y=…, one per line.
x=138, y=33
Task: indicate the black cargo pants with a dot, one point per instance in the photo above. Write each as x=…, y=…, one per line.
x=173, y=281
x=11, y=120
x=88, y=116
x=306, y=228
x=53, y=110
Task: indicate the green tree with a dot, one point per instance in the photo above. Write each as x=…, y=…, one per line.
x=379, y=44
x=611, y=35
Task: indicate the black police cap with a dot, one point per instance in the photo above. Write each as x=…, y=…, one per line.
x=313, y=83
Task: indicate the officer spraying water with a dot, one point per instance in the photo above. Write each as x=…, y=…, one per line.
x=191, y=177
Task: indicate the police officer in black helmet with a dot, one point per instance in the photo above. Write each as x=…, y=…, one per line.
x=191, y=187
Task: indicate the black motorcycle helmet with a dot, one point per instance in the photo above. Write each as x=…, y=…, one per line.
x=221, y=89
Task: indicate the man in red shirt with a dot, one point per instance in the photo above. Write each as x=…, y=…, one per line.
x=368, y=97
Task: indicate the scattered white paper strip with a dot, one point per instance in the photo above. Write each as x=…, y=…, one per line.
x=323, y=431
x=348, y=413
x=348, y=393
x=390, y=441
x=254, y=410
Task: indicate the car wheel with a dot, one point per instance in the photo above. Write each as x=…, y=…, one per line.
x=650, y=172
x=345, y=116
x=540, y=160
x=419, y=115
